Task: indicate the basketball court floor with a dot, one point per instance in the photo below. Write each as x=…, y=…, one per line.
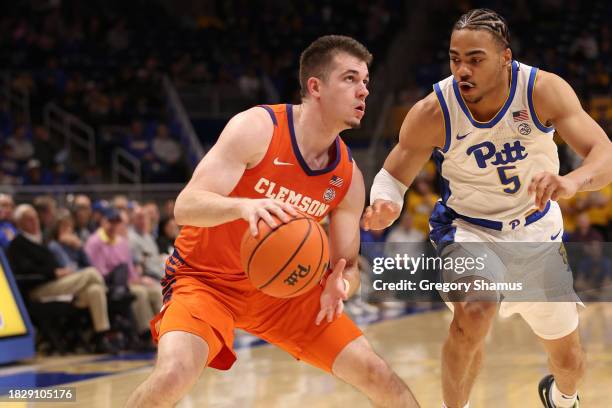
x=267, y=377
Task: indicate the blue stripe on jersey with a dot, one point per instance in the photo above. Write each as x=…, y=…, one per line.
x=271, y=112
x=445, y=192
x=537, y=215
x=298, y=154
x=501, y=113
x=442, y=229
x=534, y=116
x=447, y=122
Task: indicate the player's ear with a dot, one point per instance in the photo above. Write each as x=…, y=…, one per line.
x=314, y=86
x=507, y=56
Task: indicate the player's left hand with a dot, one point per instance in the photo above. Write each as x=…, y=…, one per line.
x=548, y=186
x=335, y=292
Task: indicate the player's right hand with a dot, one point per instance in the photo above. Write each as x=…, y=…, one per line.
x=380, y=215
x=252, y=210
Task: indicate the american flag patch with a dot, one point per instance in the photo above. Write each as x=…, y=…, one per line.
x=520, y=116
x=336, y=181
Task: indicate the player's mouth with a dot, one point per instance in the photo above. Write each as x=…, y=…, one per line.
x=360, y=110
x=466, y=87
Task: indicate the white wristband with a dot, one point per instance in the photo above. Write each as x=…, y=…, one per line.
x=387, y=187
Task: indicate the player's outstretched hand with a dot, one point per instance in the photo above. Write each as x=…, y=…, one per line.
x=380, y=215
x=252, y=210
x=335, y=292
x=547, y=186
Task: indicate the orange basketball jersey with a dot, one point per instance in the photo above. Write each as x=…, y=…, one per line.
x=283, y=175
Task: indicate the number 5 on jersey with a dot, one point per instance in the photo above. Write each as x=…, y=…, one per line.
x=514, y=181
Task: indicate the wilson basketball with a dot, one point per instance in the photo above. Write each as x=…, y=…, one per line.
x=286, y=261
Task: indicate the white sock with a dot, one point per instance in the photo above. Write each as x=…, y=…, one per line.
x=467, y=405
x=562, y=400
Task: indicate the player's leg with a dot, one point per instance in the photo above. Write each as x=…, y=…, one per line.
x=463, y=350
x=337, y=347
x=194, y=331
x=556, y=325
x=473, y=313
x=181, y=358
x=358, y=365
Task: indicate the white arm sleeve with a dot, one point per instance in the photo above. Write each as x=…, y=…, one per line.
x=387, y=187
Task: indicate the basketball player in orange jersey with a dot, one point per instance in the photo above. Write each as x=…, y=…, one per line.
x=272, y=160
x=490, y=128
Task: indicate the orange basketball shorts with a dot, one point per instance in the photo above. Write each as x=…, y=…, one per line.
x=212, y=305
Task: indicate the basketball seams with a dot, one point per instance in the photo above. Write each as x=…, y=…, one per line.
x=254, y=250
x=292, y=255
x=318, y=265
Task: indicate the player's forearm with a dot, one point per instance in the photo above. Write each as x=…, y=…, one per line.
x=205, y=208
x=595, y=172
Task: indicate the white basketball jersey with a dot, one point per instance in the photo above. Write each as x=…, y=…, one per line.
x=486, y=167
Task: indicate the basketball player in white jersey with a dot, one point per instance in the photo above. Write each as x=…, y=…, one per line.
x=490, y=128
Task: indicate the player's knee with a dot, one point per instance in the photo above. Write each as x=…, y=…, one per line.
x=571, y=360
x=375, y=371
x=471, y=325
x=478, y=316
x=176, y=374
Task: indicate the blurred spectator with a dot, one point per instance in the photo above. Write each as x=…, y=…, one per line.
x=168, y=208
x=7, y=228
x=34, y=263
x=594, y=272
x=84, y=224
x=166, y=149
x=21, y=149
x=421, y=200
x=168, y=232
x=152, y=209
x=110, y=254
x=66, y=245
x=46, y=207
x=405, y=232
x=585, y=45
x=44, y=151
x=584, y=231
x=144, y=248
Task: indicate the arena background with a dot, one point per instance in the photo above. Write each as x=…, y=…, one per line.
x=117, y=101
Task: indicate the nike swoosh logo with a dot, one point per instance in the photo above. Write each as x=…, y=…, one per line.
x=553, y=237
x=459, y=137
x=280, y=163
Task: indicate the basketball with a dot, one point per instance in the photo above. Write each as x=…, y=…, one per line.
x=286, y=261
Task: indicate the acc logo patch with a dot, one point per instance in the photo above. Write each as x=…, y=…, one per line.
x=329, y=194
x=524, y=129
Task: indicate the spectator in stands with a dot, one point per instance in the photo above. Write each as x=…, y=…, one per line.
x=585, y=46
x=43, y=277
x=144, y=248
x=110, y=253
x=152, y=208
x=35, y=175
x=21, y=148
x=7, y=228
x=44, y=150
x=46, y=207
x=166, y=149
x=168, y=208
x=404, y=231
x=168, y=231
x=584, y=230
x=82, y=213
x=66, y=245
x=594, y=271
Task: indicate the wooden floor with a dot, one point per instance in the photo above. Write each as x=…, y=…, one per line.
x=267, y=377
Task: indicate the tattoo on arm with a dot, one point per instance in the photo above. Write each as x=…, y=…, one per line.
x=587, y=182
